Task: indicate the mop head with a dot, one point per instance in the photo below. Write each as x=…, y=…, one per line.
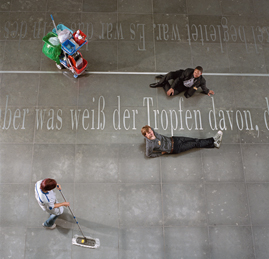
x=87, y=242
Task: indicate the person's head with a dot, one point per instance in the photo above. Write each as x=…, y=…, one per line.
x=198, y=71
x=48, y=184
x=147, y=132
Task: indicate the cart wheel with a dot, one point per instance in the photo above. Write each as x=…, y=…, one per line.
x=75, y=76
x=59, y=66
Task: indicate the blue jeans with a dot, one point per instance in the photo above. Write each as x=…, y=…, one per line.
x=51, y=220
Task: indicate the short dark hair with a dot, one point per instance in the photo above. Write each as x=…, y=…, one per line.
x=48, y=184
x=199, y=68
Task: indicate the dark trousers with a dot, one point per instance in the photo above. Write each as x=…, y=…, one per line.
x=177, y=83
x=182, y=144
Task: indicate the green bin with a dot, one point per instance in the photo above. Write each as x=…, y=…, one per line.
x=51, y=51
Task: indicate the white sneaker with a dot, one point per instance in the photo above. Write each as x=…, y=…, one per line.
x=218, y=138
x=51, y=228
x=217, y=145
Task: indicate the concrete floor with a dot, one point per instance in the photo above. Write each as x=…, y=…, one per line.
x=210, y=204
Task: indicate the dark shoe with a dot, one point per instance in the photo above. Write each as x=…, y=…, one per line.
x=153, y=85
x=159, y=76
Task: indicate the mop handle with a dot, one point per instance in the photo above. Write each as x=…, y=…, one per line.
x=72, y=213
x=53, y=23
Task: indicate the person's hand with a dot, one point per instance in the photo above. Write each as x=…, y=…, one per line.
x=66, y=204
x=59, y=187
x=210, y=92
x=170, y=92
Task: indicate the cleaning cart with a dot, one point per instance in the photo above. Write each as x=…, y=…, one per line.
x=62, y=45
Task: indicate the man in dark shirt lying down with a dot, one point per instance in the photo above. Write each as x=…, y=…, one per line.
x=188, y=80
x=157, y=144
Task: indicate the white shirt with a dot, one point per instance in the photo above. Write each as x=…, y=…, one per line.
x=46, y=200
x=189, y=83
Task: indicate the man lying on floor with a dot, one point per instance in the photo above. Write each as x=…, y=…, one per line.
x=157, y=144
x=188, y=80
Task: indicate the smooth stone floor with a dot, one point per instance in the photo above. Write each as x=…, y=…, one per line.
x=210, y=203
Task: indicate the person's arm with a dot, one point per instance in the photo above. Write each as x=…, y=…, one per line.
x=149, y=151
x=154, y=154
x=52, y=205
x=170, y=92
x=204, y=88
x=185, y=74
x=57, y=205
x=210, y=92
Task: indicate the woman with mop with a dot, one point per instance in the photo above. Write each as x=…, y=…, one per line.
x=47, y=201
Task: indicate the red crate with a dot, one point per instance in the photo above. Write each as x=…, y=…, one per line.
x=81, y=70
x=79, y=41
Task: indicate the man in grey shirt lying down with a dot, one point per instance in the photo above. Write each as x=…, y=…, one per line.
x=157, y=144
